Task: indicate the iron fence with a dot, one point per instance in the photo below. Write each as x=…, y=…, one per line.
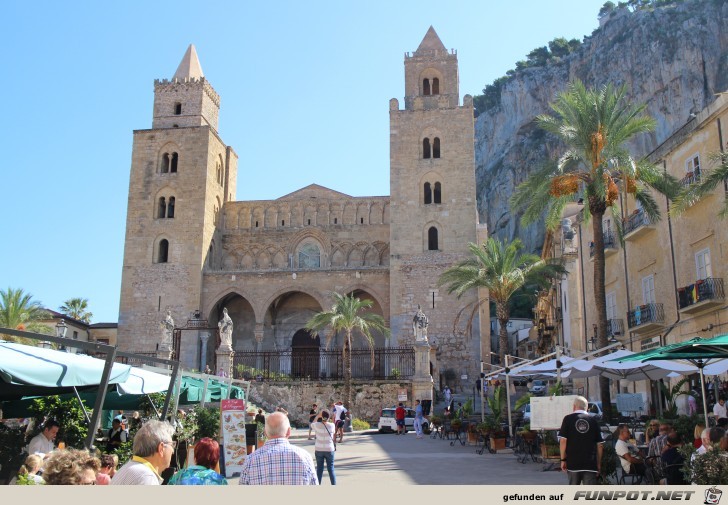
x=638, y=219
x=322, y=364
x=700, y=291
x=610, y=242
x=648, y=313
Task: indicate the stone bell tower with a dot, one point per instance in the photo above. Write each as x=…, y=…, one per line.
x=433, y=202
x=181, y=175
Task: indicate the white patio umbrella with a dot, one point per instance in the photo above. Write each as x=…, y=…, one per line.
x=606, y=366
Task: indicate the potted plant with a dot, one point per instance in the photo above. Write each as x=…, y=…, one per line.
x=550, y=447
x=473, y=433
x=526, y=432
x=456, y=424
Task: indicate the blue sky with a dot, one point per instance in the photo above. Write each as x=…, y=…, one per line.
x=305, y=90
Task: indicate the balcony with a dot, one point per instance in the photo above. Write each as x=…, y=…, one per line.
x=615, y=327
x=702, y=295
x=637, y=224
x=691, y=178
x=610, y=245
x=646, y=318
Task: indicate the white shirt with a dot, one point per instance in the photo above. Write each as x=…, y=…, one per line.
x=622, y=448
x=324, y=439
x=719, y=411
x=39, y=444
x=135, y=473
x=338, y=409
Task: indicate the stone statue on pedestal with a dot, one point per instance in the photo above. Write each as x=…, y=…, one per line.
x=226, y=330
x=167, y=327
x=419, y=325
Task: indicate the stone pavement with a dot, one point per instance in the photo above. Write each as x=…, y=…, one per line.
x=371, y=458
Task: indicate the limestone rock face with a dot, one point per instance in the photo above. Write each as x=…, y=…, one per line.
x=674, y=59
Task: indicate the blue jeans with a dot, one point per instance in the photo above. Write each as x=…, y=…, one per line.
x=328, y=457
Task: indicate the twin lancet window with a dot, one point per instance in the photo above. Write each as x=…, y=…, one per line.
x=165, y=208
x=433, y=193
x=169, y=163
x=431, y=149
x=431, y=87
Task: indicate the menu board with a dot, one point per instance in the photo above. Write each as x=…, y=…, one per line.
x=232, y=425
x=630, y=402
x=548, y=412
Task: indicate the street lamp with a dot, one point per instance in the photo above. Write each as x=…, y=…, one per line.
x=61, y=330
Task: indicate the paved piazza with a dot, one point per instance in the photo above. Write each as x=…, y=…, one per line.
x=369, y=457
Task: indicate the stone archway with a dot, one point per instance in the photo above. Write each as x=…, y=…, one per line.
x=305, y=355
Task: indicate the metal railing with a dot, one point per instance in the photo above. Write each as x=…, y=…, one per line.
x=321, y=364
x=610, y=242
x=615, y=326
x=648, y=313
x=636, y=220
x=691, y=178
x=710, y=288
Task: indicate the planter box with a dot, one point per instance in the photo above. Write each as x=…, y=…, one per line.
x=497, y=444
x=550, y=452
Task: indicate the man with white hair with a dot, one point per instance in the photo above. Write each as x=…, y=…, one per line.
x=153, y=448
x=581, y=445
x=278, y=462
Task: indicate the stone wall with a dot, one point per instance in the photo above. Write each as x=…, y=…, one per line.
x=297, y=398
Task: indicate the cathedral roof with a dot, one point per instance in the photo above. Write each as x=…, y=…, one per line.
x=431, y=42
x=189, y=67
x=313, y=191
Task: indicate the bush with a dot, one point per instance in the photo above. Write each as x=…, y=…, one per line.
x=359, y=424
x=12, y=450
x=208, y=422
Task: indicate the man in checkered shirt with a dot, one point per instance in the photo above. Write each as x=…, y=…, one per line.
x=278, y=462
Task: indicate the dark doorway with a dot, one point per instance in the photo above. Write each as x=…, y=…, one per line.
x=305, y=355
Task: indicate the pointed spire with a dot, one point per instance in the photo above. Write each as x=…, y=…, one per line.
x=190, y=66
x=431, y=42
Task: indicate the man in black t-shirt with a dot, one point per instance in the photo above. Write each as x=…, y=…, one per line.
x=311, y=418
x=581, y=445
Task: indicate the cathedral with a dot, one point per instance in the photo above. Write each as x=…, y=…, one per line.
x=192, y=250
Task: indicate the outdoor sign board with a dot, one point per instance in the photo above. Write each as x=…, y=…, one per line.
x=630, y=402
x=402, y=395
x=548, y=412
x=232, y=424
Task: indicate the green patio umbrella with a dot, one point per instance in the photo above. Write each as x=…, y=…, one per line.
x=698, y=351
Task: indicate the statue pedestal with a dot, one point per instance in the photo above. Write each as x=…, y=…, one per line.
x=422, y=380
x=164, y=351
x=224, y=361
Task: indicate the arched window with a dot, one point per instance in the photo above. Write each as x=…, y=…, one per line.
x=218, y=174
x=164, y=167
x=162, y=208
x=426, y=87
x=437, y=193
x=170, y=207
x=432, y=239
x=435, y=86
x=436, y=148
x=177, y=109
x=428, y=194
x=173, y=166
x=309, y=256
x=426, y=148
x=163, y=252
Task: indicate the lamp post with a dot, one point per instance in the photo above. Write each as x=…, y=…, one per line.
x=61, y=330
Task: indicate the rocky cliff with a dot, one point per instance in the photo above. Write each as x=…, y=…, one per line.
x=674, y=58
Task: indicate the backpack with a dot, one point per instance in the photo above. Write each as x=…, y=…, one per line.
x=342, y=416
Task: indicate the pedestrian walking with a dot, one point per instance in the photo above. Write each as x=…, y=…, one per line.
x=419, y=417
x=581, y=445
x=311, y=418
x=399, y=414
x=325, y=448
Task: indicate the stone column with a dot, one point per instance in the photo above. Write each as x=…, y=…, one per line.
x=258, y=333
x=224, y=362
x=422, y=380
x=204, y=337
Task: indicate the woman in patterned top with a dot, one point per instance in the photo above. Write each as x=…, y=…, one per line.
x=207, y=457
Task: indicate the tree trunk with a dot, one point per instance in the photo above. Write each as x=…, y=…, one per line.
x=600, y=301
x=503, y=314
x=347, y=370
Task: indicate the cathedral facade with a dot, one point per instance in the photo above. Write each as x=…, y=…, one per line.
x=190, y=247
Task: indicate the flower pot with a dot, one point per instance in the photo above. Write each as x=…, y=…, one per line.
x=497, y=444
x=472, y=437
x=550, y=452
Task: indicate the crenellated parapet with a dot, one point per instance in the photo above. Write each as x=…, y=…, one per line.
x=188, y=83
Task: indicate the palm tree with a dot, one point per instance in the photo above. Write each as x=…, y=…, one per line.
x=77, y=309
x=503, y=269
x=709, y=180
x=595, y=125
x=18, y=311
x=348, y=314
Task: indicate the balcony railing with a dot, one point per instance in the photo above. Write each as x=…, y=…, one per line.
x=320, y=364
x=649, y=314
x=610, y=243
x=615, y=326
x=635, y=221
x=691, y=178
x=700, y=294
